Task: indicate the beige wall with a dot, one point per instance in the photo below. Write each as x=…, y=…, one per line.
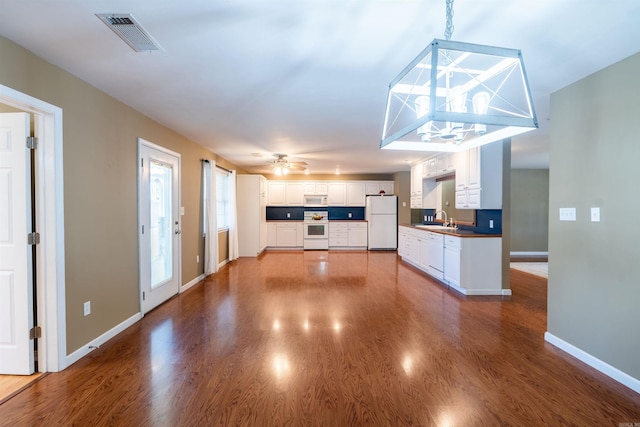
x=593, y=266
x=529, y=210
x=100, y=192
x=402, y=188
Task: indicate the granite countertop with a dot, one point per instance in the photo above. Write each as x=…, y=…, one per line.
x=452, y=231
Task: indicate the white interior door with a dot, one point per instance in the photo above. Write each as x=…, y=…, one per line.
x=16, y=287
x=159, y=224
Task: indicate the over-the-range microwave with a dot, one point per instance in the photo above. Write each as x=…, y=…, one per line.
x=315, y=200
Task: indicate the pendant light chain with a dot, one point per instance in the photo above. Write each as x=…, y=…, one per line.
x=448, y=32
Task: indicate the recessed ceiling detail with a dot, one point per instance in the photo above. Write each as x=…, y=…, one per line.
x=129, y=30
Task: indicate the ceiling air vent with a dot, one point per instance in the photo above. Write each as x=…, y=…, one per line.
x=129, y=30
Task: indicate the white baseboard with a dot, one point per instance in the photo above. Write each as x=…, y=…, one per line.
x=192, y=283
x=531, y=254
x=594, y=362
x=222, y=264
x=86, y=349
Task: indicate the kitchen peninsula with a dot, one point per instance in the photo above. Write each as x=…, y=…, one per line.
x=466, y=261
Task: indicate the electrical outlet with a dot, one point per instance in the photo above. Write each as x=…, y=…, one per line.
x=426, y=218
x=288, y=215
x=349, y=215
x=87, y=308
x=197, y=259
x=567, y=214
x=490, y=223
x=595, y=214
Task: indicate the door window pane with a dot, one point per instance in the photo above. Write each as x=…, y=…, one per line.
x=161, y=237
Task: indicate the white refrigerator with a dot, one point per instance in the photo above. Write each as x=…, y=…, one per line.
x=381, y=212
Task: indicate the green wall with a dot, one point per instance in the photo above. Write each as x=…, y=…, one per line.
x=594, y=290
x=100, y=192
x=529, y=210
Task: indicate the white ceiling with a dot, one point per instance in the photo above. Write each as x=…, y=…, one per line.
x=309, y=77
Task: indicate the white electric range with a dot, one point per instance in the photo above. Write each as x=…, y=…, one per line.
x=316, y=230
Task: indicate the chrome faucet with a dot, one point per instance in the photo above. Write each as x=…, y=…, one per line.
x=435, y=215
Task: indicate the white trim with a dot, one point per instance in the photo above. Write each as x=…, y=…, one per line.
x=50, y=219
x=222, y=264
x=594, y=362
x=192, y=283
x=529, y=253
x=97, y=342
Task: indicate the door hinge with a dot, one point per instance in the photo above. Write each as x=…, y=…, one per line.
x=35, y=332
x=33, y=238
x=32, y=142
x=141, y=163
x=143, y=296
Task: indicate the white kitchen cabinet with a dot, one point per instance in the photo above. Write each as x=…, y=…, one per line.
x=337, y=194
x=299, y=234
x=429, y=167
x=416, y=179
x=445, y=164
x=346, y=234
x=252, y=214
x=415, y=202
x=373, y=188
x=452, y=259
x=387, y=187
x=403, y=237
x=285, y=234
x=276, y=193
x=272, y=234
x=295, y=194
x=355, y=194
x=479, y=177
x=358, y=234
x=315, y=188
x=469, y=265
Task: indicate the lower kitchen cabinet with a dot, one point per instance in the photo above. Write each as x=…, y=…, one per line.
x=346, y=234
x=285, y=234
x=469, y=265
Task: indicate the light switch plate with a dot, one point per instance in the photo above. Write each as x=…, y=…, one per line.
x=87, y=308
x=181, y=210
x=567, y=214
x=490, y=223
x=595, y=214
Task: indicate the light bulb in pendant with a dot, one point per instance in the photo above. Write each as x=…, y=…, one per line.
x=481, y=106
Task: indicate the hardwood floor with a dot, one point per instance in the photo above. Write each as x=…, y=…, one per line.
x=330, y=339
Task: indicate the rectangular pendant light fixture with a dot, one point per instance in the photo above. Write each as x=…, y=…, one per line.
x=454, y=96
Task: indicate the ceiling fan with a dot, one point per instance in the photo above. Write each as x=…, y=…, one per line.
x=281, y=165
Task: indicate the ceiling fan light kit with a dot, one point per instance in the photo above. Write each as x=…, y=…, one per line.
x=454, y=96
x=281, y=165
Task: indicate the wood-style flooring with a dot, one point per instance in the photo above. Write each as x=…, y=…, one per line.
x=321, y=338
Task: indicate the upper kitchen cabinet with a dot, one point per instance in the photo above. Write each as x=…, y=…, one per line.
x=337, y=194
x=440, y=165
x=416, y=179
x=295, y=193
x=276, y=193
x=285, y=193
x=373, y=188
x=313, y=188
x=479, y=177
x=356, y=194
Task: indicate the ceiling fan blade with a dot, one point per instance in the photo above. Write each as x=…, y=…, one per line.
x=297, y=167
x=298, y=163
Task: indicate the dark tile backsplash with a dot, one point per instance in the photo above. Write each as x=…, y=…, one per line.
x=296, y=213
x=483, y=218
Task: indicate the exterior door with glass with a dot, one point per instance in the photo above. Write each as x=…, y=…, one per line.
x=159, y=224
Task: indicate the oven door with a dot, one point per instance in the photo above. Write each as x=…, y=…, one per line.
x=316, y=230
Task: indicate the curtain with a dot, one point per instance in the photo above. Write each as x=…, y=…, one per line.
x=209, y=220
x=233, y=218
